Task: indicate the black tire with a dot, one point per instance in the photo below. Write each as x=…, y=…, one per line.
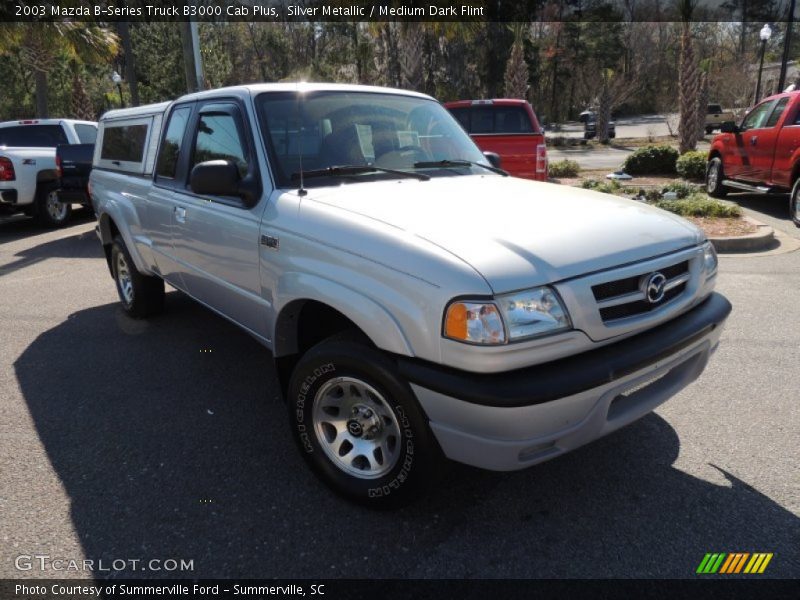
x=50, y=211
x=141, y=295
x=709, y=130
x=342, y=377
x=794, y=203
x=714, y=180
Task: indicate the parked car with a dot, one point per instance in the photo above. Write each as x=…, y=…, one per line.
x=417, y=301
x=762, y=154
x=589, y=119
x=715, y=117
x=508, y=128
x=73, y=166
x=28, y=172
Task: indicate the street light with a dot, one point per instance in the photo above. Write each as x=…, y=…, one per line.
x=117, y=79
x=764, y=34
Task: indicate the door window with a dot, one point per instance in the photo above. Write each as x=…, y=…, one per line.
x=777, y=112
x=758, y=116
x=167, y=164
x=218, y=138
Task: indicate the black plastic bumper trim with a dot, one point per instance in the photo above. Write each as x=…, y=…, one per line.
x=574, y=374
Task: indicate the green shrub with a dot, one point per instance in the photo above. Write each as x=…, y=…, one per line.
x=652, y=195
x=691, y=165
x=651, y=160
x=681, y=189
x=564, y=168
x=589, y=184
x=700, y=205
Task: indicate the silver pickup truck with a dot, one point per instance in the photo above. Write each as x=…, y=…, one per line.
x=418, y=302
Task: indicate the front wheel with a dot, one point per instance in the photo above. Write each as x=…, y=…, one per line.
x=714, y=178
x=358, y=424
x=50, y=210
x=794, y=203
x=141, y=295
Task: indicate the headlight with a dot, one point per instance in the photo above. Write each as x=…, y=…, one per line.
x=709, y=259
x=511, y=317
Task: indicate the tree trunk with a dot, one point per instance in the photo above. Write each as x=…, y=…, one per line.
x=40, y=78
x=702, y=106
x=123, y=28
x=192, y=85
x=687, y=86
x=604, y=110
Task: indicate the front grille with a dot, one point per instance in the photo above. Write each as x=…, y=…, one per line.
x=623, y=298
x=639, y=307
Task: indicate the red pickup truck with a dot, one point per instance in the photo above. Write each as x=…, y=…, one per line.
x=509, y=128
x=762, y=155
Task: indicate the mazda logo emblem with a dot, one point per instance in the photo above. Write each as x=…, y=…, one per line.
x=355, y=429
x=654, y=288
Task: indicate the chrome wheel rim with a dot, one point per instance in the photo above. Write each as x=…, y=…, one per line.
x=124, y=280
x=55, y=208
x=713, y=176
x=356, y=428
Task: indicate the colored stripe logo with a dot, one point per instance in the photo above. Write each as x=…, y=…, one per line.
x=734, y=562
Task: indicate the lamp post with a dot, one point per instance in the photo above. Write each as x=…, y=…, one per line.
x=764, y=34
x=117, y=79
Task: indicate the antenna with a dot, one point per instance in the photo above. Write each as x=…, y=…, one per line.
x=302, y=191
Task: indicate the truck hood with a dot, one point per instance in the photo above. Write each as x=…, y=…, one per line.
x=518, y=233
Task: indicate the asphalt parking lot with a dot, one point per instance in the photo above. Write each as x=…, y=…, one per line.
x=165, y=439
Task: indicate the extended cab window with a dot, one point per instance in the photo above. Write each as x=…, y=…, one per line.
x=777, y=112
x=167, y=164
x=758, y=116
x=122, y=144
x=87, y=134
x=218, y=139
x=33, y=136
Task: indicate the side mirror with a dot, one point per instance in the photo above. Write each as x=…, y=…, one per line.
x=729, y=127
x=494, y=159
x=221, y=178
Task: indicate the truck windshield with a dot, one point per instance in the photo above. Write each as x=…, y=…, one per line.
x=349, y=129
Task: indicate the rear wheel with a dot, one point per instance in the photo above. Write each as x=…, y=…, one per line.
x=50, y=211
x=714, y=178
x=358, y=424
x=141, y=295
x=794, y=203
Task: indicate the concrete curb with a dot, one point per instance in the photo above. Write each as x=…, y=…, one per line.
x=762, y=239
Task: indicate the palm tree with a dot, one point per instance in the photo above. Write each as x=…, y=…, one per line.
x=40, y=45
x=687, y=81
x=516, y=76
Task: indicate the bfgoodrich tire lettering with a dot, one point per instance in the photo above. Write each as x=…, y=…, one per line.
x=358, y=424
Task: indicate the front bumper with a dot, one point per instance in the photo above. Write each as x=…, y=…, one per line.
x=507, y=421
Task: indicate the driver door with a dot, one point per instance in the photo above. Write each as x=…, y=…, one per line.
x=742, y=159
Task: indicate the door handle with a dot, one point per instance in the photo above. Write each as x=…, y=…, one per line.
x=753, y=140
x=180, y=214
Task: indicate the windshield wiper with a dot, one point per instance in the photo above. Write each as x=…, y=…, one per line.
x=344, y=170
x=458, y=163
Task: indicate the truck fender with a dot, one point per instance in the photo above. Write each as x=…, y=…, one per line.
x=110, y=218
x=372, y=318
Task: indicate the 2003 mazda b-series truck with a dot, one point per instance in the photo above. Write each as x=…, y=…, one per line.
x=418, y=302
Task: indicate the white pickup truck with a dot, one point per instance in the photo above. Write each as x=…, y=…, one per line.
x=28, y=170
